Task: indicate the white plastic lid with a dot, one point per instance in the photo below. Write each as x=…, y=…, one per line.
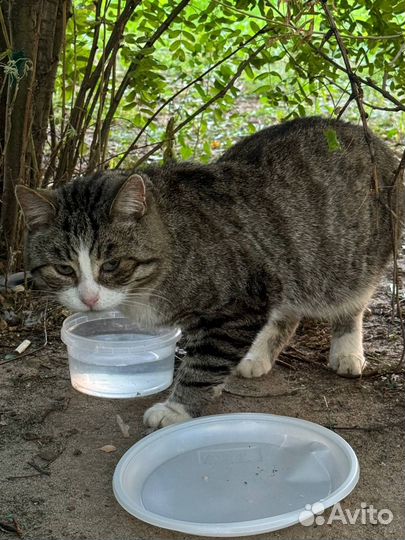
x=234, y=474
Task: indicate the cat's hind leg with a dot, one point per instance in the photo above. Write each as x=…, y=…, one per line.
x=267, y=345
x=346, y=355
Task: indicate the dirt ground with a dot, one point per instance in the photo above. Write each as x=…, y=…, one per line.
x=56, y=482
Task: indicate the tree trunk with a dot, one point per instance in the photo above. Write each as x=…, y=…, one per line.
x=35, y=30
x=23, y=23
x=53, y=27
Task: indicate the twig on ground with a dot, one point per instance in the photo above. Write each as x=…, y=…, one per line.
x=296, y=354
x=380, y=372
x=285, y=364
x=38, y=468
x=23, y=476
x=266, y=395
x=300, y=356
x=53, y=457
x=377, y=427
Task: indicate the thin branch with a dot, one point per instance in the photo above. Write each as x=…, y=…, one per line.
x=288, y=24
x=133, y=67
x=4, y=30
x=357, y=91
x=379, y=108
x=183, y=89
x=317, y=49
x=242, y=66
x=69, y=152
x=345, y=106
x=52, y=127
x=396, y=222
x=94, y=154
x=367, y=82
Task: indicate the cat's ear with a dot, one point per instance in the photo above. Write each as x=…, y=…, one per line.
x=38, y=206
x=130, y=201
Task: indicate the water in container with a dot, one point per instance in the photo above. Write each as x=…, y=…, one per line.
x=110, y=357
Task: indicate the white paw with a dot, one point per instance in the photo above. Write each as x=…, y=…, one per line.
x=348, y=365
x=164, y=414
x=253, y=367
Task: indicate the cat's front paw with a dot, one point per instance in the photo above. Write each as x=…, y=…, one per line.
x=348, y=365
x=164, y=414
x=253, y=367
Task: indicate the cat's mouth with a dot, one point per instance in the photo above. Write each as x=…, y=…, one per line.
x=104, y=300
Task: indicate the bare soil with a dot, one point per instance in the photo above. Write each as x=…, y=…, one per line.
x=56, y=482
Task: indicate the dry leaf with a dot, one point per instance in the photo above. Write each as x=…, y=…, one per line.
x=108, y=448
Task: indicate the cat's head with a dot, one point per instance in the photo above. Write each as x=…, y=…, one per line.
x=93, y=241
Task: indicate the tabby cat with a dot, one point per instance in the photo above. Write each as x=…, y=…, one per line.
x=236, y=252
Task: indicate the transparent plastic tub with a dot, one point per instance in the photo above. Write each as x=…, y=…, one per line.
x=111, y=357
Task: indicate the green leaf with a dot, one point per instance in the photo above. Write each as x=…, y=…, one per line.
x=186, y=152
x=332, y=140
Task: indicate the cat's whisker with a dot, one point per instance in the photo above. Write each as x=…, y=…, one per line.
x=133, y=302
x=150, y=294
x=149, y=291
x=130, y=303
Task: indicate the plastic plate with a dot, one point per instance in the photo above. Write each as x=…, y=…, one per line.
x=234, y=474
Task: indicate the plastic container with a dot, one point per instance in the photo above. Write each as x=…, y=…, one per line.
x=235, y=474
x=110, y=356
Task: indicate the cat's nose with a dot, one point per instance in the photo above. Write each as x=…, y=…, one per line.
x=90, y=301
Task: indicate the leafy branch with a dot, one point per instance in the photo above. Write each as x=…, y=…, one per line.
x=192, y=83
x=90, y=83
x=131, y=71
x=242, y=66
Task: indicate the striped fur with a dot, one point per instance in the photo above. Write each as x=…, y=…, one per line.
x=280, y=228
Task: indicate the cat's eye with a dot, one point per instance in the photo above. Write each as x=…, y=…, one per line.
x=64, y=269
x=110, y=266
